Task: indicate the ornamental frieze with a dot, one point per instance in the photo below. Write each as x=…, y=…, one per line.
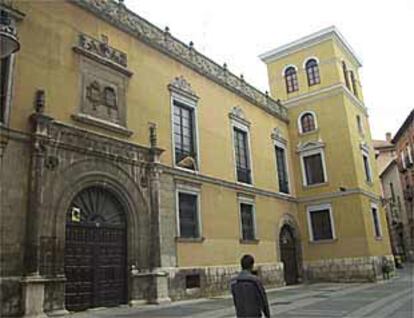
x=61, y=135
x=117, y=14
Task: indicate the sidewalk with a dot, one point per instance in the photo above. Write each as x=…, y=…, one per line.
x=326, y=300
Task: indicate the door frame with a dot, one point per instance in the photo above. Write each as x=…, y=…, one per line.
x=123, y=227
x=289, y=220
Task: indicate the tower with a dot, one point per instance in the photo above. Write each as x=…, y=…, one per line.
x=340, y=213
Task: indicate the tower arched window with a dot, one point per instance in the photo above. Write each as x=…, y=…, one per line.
x=291, y=78
x=312, y=72
x=354, y=83
x=307, y=122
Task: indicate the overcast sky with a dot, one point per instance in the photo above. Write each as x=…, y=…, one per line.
x=236, y=32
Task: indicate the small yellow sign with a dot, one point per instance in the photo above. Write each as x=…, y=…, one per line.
x=76, y=214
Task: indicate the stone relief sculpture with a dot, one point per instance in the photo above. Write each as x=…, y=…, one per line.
x=104, y=77
x=101, y=97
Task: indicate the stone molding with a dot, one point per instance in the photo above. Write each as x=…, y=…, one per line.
x=119, y=16
x=277, y=135
x=86, y=119
x=310, y=145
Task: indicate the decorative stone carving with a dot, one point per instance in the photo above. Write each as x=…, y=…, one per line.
x=128, y=21
x=238, y=115
x=102, y=49
x=181, y=86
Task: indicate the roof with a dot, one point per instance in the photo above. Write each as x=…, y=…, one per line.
x=314, y=38
x=124, y=19
x=380, y=144
x=388, y=167
x=408, y=121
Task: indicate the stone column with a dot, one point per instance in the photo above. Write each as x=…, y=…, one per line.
x=159, y=278
x=33, y=283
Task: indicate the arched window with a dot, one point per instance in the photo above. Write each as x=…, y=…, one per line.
x=307, y=123
x=291, y=78
x=312, y=72
x=354, y=83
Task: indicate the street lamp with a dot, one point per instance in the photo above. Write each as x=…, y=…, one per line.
x=8, y=36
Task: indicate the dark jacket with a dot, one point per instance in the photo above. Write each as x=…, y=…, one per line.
x=249, y=295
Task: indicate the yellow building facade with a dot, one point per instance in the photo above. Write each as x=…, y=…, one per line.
x=137, y=151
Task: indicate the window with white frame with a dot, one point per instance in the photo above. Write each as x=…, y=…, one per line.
x=241, y=149
x=291, y=79
x=313, y=167
x=247, y=221
x=188, y=214
x=307, y=122
x=282, y=169
x=312, y=72
x=367, y=165
x=185, y=146
x=376, y=221
x=321, y=222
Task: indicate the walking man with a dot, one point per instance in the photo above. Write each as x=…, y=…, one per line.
x=248, y=293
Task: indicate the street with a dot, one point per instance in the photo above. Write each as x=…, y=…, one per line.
x=392, y=298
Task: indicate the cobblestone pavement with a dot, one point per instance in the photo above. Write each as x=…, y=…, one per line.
x=393, y=298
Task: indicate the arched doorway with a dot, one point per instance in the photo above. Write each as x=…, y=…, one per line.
x=288, y=254
x=95, y=251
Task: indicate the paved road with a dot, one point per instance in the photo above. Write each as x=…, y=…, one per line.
x=393, y=298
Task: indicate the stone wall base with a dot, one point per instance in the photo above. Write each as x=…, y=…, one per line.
x=214, y=280
x=11, y=295
x=347, y=270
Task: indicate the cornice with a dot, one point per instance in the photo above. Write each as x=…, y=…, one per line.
x=310, y=40
x=245, y=190
x=323, y=93
x=337, y=194
x=119, y=16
